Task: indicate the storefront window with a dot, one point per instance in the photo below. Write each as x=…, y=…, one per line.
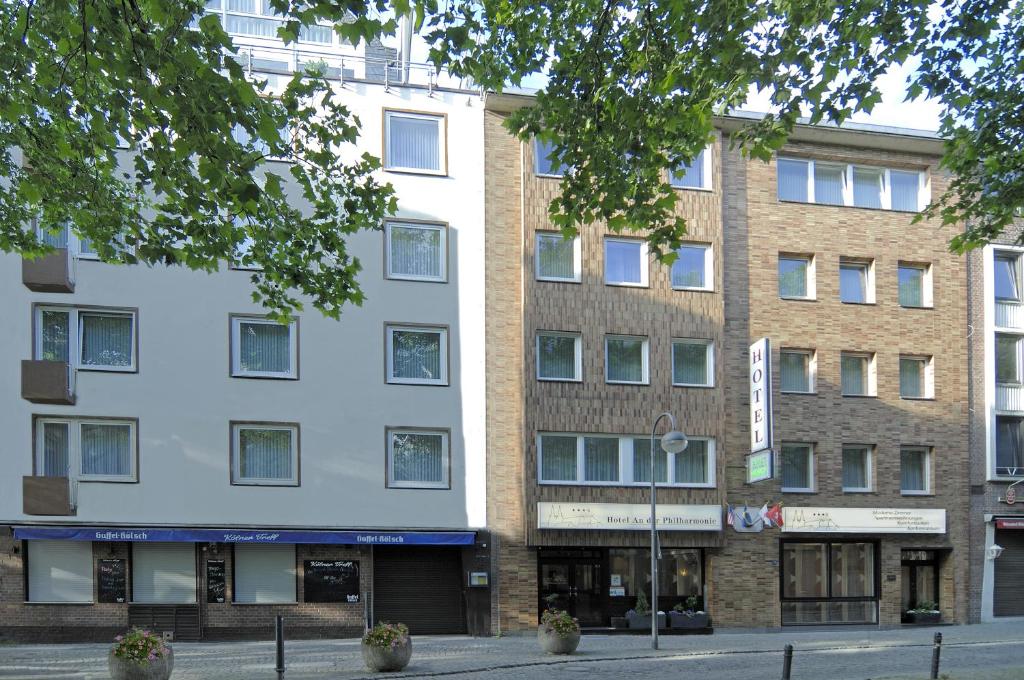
x=829, y=583
x=679, y=573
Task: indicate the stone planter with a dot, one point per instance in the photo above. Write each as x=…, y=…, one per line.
x=620, y=622
x=924, y=617
x=387, y=659
x=678, y=620
x=553, y=643
x=127, y=669
x=644, y=622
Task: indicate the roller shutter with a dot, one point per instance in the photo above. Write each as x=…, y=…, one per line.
x=420, y=587
x=264, y=574
x=1008, y=593
x=164, y=573
x=60, y=571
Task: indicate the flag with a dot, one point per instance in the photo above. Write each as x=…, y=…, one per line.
x=763, y=514
x=775, y=514
x=728, y=515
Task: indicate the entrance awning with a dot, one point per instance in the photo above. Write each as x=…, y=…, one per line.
x=162, y=535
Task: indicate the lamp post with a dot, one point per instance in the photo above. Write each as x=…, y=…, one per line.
x=672, y=441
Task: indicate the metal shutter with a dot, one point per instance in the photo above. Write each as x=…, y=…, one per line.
x=164, y=573
x=60, y=571
x=264, y=574
x=420, y=587
x=1008, y=593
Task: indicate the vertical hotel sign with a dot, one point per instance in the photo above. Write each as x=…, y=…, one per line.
x=760, y=396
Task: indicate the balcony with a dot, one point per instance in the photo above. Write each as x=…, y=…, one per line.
x=47, y=496
x=47, y=382
x=50, y=273
x=1009, y=314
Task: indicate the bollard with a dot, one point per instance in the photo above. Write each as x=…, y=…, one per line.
x=787, y=662
x=279, y=639
x=936, y=650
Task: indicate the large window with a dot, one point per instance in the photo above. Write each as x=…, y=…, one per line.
x=546, y=166
x=809, y=181
x=915, y=285
x=857, y=374
x=856, y=468
x=416, y=251
x=65, y=237
x=89, y=450
x=693, y=363
x=263, y=348
x=257, y=18
x=1006, y=276
x=693, y=268
x=1009, y=446
x=559, y=356
x=60, y=571
x=1008, y=356
x=829, y=583
x=856, y=281
x=916, y=377
x=415, y=142
x=680, y=574
x=264, y=574
x=557, y=258
x=625, y=262
x=88, y=339
x=796, y=370
x=693, y=175
x=418, y=459
x=626, y=359
x=798, y=468
x=915, y=470
x=796, y=277
x=417, y=355
x=614, y=460
x=265, y=454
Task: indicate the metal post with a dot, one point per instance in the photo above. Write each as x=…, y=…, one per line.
x=654, y=532
x=787, y=662
x=279, y=639
x=936, y=650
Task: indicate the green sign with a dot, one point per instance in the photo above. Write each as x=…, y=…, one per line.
x=759, y=466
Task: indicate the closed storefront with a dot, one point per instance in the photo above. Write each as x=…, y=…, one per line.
x=163, y=573
x=421, y=587
x=1008, y=591
x=829, y=582
x=60, y=571
x=264, y=574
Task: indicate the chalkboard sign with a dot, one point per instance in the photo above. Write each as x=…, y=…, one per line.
x=216, y=585
x=331, y=580
x=113, y=582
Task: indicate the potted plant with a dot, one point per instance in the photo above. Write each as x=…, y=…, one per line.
x=640, y=616
x=924, y=612
x=688, y=616
x=387, y=647
x=558, y=633
x=140, y=655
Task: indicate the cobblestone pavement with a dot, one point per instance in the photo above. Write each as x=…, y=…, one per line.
x=979, y=652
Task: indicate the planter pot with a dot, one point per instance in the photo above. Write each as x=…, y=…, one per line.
x=387, y=659
x=553, y=643
x=929, y=617
x=638, y=621
x=126, y=669
x=677, y=620
x=620, y=622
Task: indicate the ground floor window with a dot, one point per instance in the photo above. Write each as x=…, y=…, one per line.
x=164, y=573
x=829, y=582
x=920, y=580
x=264, y=574
x=60, y=571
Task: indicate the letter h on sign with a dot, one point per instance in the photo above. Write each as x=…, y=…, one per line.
x=760, y=396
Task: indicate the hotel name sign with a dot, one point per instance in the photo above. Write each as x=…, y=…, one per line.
x=864, y=520
x=628, y=516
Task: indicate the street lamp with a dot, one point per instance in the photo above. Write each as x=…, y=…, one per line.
x=672, y=441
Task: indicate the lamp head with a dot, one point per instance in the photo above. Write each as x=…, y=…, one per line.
x=673, y=442
x=994, y=551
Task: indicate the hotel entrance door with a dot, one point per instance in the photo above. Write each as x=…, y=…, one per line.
x=573, y=580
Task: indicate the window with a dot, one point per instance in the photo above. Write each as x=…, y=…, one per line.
x=263, y=348
x=827, y=183
x=1007, y=276
x=544, y=164
x=1009, y=446
x=1008, y=358
x=86, y=449
x=264, y=573
x=416, y=251
x=856, y=281
x=915, y=285
x=88, y=339
x=792, y=180
x=867, y=187
x=797, y=467
x=558, y=258
x=914, y=470
x=856, y=469
x=694, y=175
x=829, y=583
x=905, y=188
x=916, y=378
x=693, y=268
x=693, y=363
x=559, y=356
x=796, y=277
x=60, y=571
x=592, y=459
x=163, y=573
x=265, y=454
x=417, y=355
x=626, y=359
x=857, y=374
x=65, y=237
x=418, y=459
x=415, y=142
x=625, y=262
x=796, y=370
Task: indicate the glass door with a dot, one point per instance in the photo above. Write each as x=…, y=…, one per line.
x=573, y=583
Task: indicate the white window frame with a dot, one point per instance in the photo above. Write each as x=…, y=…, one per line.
x=445, y=458
x=75, y=335
x=868, y=468
x=646, y=353
x=442, y=140
x=928, y=375
x=709, y=268
x=74, y=426
x=871, y=377
x=927, y=451
x=577, y=351
x=927, y=299
x=811, y=476
x=236, y=451
x=441, y=228
x=236, y=348
x=536, y=163
x=626, y=453
x=709, y=358
x=868, y=266
x=812, y=292
x=812, y=370
x=847, y=193
x=644, y=262
x=390, y=330
x=74, y=243
x=577, y=258
x=705, y=159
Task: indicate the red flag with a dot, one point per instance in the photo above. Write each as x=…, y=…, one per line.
x=774, y=514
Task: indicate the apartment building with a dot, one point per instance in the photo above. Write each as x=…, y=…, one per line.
x=175, y=460
x=860, y=316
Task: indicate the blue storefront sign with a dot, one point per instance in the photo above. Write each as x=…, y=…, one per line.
x=164, y=535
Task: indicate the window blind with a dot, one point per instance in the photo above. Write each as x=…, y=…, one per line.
x=418, y=457
x=415, y=251
x=106, y=449
x=911, y=378
x=60, y=571
x=792, y=180
x=600, y=459
x=556, y=257
x=692, y=463
x=413, y=142
x=690, y=363
x=265, y=454
x=690, y=175
x=867, y=187
x=795, y=371
x=264, y=574
x=556, y=357
x=416, y=354
x=164, y=573
x=911, y=286
x=855, y=464
x=854, y=375
x=642, y=461
x=56, y=446
x=796, y=467
x=688, y=269
x=625, y=359
x=828, y=184
x=557, y=458
x=904, y=188
x=54, y=336
x=792, y=277
x=623, y=262
x=913, y=470
x=106, y=340
x=264, y=347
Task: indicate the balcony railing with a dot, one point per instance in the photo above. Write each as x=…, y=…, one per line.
x=1009, y=314
x=1009, y=397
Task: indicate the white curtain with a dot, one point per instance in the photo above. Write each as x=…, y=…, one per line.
x=911, y=378
x=855, y=463
x=265, y=454
x=912, y=470
x=642, y=461
x=416, y=354
x=415, y=251
x=854, y=375
x=625, y=359
x=417, y=457
x=792, y=180
x=248, y=6
x=795, y=467
x=55, y=450
x=692, y=464
x=853, y=283
x=828, y=184
x=853, y=569
x=413, y=142
x=688, y=269
x=911, y=283
x=106, y=340
x=690, y=363
x=556, y=257
x=54, y=336
x=904, y=187
x=623, y=262
x=557, y=356
x=792, y=277
x=557, y=458
x=600, y=459
x=867, y=187
x=106, y=450
x=795, y=369
x=264, y=347
x=690, y=174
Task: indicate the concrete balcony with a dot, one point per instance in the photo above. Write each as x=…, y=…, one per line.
x=50, y=273
x=1009, y=315
x=47, y=382
x=49, y=496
